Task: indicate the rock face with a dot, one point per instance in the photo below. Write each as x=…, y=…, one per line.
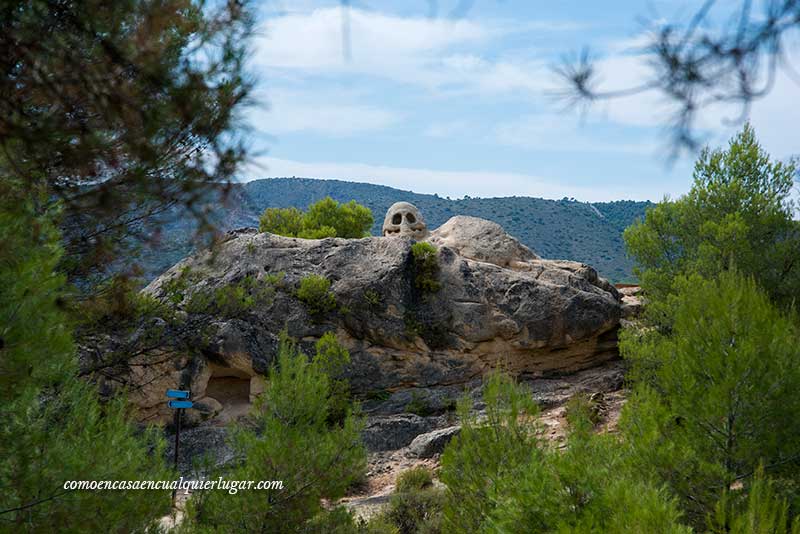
x=499, y=305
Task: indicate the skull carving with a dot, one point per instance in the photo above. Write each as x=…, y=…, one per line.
x=404, y=219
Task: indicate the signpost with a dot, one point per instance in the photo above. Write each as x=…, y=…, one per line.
x=178, y=406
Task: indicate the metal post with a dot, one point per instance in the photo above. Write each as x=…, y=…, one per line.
x=177, y=440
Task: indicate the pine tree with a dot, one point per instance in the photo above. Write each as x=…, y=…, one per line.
x=52, y=428
x=718, y=395
x=738, y=214
x=292, y=439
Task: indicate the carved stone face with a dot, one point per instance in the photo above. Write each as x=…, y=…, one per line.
x=404, y=219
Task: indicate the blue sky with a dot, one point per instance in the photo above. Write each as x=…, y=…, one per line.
x=461, y=104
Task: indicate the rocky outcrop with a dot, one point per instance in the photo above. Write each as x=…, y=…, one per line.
x=499, y=305
x=433, y=443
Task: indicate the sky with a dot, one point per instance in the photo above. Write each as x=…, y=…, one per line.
x=458, y=98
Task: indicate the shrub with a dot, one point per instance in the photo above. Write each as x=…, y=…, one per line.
x=717, y=395
x=281, y=221
x=416, y=478
x=332, y=358
x=326, y=218
x=416, y=511
x=502, y=477
x=583, y=405
x=289, y=438
x=236, y=299
x=314, y=291
x=372, y=297
x=418, y=405
x=426, y=267
x=738, y=213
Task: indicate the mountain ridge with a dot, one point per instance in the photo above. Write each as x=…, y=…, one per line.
x=559, y=229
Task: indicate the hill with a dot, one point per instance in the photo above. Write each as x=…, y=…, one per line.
x=558, y=229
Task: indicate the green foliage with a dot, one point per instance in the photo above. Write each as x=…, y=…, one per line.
x=290, y=439
x=372, y=298
x=415, y=507
x=426, y=267
x=416, y=511
x=582, y=406
x=486, y=452
x=314, y=291
x=718, y=395
x=738, y=214
x=332, y=358
x=118, y=305
x=234, y=300
x=418, y=405
x=138, y=123
x=52, y=426
x=501, y=477
x=416, y=478
x=760, y=511
x=281, y=221
x=378, y=394
x=326, y=218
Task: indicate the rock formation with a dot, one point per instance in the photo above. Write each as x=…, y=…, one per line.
x=499, y=305
x=403, y=219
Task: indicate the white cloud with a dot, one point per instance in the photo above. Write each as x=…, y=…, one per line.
x=337, y=114
x=562, y=133
x=445, y=183
x=773, y=115
x=427, y=52
x=314, y=40
x=443, y=130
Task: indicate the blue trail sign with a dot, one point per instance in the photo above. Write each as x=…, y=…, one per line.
x=180, y=404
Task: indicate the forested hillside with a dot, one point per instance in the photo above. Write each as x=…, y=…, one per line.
x=562, y=229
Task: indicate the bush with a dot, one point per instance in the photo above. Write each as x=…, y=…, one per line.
x=332, y=358
x=416, y=478
x=502, y=477
x=326, y=218
x=583, y=406
x=416, y=505
x=738, y=213
x=717, y=395
x=416, y=511
x=236, y=299
x=289, y=438
x=419, y=405
x=426, y=267
x=314, y=291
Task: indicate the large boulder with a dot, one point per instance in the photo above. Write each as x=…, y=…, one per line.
x=499, y=305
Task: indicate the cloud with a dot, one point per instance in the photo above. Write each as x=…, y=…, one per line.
x=337, y=114
x=772, y=116
x=313, y=41
x=429, y=52
x=560, y=133
x=445, y=183
x=444, y=130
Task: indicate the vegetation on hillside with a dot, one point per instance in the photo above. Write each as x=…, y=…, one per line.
x=291, y=437
x=739, y=215
x=560, y=229
x=107, y=121
x=709, y=440
x=326, y=218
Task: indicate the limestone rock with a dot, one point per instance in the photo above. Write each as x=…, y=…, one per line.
x=433, y=443
x=393, y=432
x=499, y=305
x=482, y=240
